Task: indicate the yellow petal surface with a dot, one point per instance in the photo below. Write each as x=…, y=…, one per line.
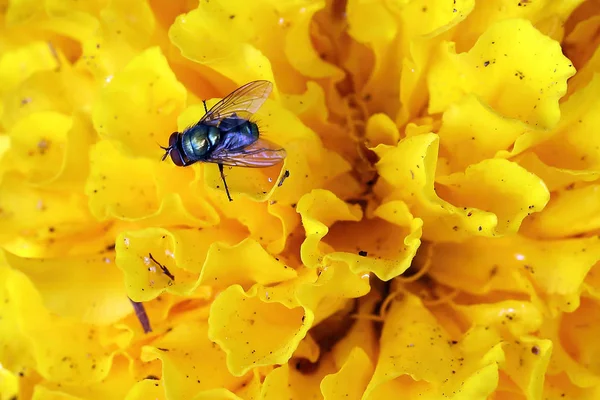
x=116, y=383
x=35, y=212
x=544, y=14
x=18, y=65
x=135, y=195
x=498, y=186
x=95, y=281
x=381, y=253
x=571, y=355
x=419, y=358
x=140, y=105
x=146, y=389
x=557, y=268
x=526, y=364
x=502, y=70
x=182, y=252
x=320, y=210
x=255, y=328
x=191, y=363
x=351, y=380
x=555, y=178
x=471, y=132
x=431, y=234
x=571, y=146
x=41, y=154
x=577, y=205
x=409, y=169
x=208, y=35
x=81, y=359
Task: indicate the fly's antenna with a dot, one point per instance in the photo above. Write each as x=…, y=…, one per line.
x=167, y=151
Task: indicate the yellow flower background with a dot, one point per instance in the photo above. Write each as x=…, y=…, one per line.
x=432, y=233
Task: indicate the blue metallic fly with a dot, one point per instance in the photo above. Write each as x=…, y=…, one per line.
x=226, y=136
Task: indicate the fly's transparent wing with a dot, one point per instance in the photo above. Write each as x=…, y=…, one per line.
x=239, y=105
x=259, y=154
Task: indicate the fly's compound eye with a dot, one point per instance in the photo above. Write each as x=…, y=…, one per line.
x=177, y=158
x=173, y=139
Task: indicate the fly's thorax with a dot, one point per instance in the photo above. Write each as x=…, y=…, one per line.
x=214, y=136
x=196, y=141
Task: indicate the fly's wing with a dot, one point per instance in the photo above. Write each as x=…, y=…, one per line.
x=259, y=154
x=239, y=105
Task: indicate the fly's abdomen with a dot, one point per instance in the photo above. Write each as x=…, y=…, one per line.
x=251, y=129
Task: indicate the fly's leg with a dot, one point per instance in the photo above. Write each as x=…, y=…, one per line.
x=204, y=103
x=224, y=182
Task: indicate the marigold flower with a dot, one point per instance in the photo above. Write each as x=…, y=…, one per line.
x=433, y=230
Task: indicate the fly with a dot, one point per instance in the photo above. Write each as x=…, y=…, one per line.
x=225, y=135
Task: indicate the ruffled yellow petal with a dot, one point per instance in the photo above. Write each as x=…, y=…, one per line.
x=557, y=268
x=191, y=363
x=40, y=213
x=244, y=264
x=503, y=71
x=117, y=383
x=351, y=380
x=311, y=108
x=211, y=257
x=296, y=380
x=80, y=360
x=150, y=191
x=320, y=210
x=94, y=281
x=43, y=393
x=381, y=253
x=21, y=63
x=255, y=328
x=362, y=333
x=577, y=205
x=9, y=384
x=526, y=364
x=545, y=16
x=471, y=132
x=518, y=317
x=554, y=178
x=571, y=146
x=239, y=320
x=137, y=197
x=381, y=130
x=139, y=106
x=38, y=145
x=208, y=35
x=497, y=186
x=570, y=354
x=581, y=45
x=147, y=389
x=559, y=387
x=336, y=284
x=299, y=45
x=426, y=141
x=125, y=31
x=419, y=358
x=463, y=210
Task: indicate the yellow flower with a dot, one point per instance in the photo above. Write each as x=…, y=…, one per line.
x=432, y=233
